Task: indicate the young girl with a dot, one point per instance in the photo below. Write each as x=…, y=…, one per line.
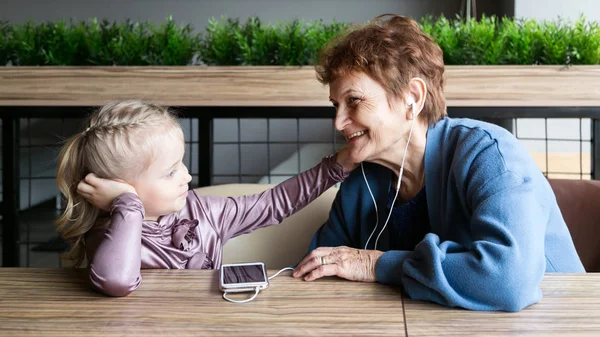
x=128, y=204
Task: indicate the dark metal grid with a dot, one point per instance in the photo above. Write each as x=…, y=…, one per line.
x=11, y=121
x=546, y=139
x=27, y=178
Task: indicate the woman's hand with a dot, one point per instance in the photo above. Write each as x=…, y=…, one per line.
x=345, y=262
x=101, y=192
x=343, y=158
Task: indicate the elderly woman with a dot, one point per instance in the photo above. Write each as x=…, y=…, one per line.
x=453, y=210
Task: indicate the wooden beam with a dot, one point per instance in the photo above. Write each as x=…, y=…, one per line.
x=467, y=86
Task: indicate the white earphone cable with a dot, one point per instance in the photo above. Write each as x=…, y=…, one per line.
x=256, y=289
x=397, y=186
x=279, y=272
x=374, y=203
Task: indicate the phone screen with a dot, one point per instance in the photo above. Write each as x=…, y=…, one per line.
x=243, y=274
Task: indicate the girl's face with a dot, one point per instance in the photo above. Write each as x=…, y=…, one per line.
x=163, y=187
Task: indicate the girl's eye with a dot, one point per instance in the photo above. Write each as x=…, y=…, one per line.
x=172, y=174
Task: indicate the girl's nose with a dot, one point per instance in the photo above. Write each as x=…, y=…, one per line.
x=187, y=177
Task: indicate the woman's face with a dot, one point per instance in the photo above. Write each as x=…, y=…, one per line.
x=371, y=123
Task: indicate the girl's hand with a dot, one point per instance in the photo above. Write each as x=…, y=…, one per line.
x=101, y=192
x=343, y=158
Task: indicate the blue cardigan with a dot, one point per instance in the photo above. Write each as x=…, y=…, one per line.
x=495, y=224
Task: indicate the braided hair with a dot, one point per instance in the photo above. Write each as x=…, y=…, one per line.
x=116, y=143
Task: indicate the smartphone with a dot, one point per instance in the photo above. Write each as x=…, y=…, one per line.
x=242, y=277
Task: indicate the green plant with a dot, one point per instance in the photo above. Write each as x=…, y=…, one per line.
x=141, y=43
x=468, y=41
x=258, y=44
x=519, y=41
x=172, y=45
x=293, y=46
x=102, y=43
x=118, y=44
x=515, y=41
x=221, y=42
x=48, y=44
x=301, y=42
x=227, y=42
x=585, y=43
x=5, y=39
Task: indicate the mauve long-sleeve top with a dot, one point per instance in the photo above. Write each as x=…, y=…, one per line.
x=192, y=238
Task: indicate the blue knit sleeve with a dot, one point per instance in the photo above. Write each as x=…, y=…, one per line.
x=502, y=267
x=335, y=231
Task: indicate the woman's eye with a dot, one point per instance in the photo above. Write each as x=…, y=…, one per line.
x=352, y=100
x=172, y=174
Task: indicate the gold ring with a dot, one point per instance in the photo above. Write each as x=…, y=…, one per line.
x=323, y=260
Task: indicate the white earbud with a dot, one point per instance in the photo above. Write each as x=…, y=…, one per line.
x=411, y=102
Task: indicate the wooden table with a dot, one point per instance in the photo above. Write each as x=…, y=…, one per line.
x=58, y=302
x=55, y=302
x=570, y=307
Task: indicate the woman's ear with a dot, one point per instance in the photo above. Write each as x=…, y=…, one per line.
x=417, y=94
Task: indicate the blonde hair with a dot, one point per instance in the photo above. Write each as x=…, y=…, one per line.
x=116, y=143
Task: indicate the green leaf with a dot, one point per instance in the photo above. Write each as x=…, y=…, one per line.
x=226, y=41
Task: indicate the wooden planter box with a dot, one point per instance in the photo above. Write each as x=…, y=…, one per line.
x=467, y=86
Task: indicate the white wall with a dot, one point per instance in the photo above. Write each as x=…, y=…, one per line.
x=552, y=9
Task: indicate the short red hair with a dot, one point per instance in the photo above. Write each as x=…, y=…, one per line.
x=392, y=50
